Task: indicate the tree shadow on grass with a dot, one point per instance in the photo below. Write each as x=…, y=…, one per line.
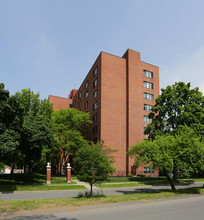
x=9, y=182
x=22, y=179
x=159, y=181
x=8, y=189
x=156, y=181
x=193, y=190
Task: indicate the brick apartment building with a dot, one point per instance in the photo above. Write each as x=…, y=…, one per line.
x=118, y=92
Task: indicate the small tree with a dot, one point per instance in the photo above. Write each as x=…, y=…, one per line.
x=92, y=165
x=184, y=149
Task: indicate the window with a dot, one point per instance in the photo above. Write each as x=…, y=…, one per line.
x=148, y=96
x=148, y=74
x=95, y=71
x=79, y=96
x=94, y=129
x=86, y=94
x=148, y=85
x=145, y=129
x=86, y=85
x=147, y=107
x=95, y=82
x=79, y=104
x=95, y=117
x=95, y=106
x=148, y=170
x=86, y=105
x=148, y=120
x=95, y=94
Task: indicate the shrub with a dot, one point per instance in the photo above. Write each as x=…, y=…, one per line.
x=140, y=175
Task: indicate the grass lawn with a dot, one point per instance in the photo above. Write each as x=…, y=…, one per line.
x=134, y=179
x=151, y=180
x=112, y=185
x=8, y=188
x=114, y=182
x=34, y=182
x=74, y=203
x=37, y=182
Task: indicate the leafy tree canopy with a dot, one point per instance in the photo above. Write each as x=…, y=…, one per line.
x=177, y=105
x=36, y=131
x=92, y=165
x=68, y=127
x=184, y=149
x=10, y=123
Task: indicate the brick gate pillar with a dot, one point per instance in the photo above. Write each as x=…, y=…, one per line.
x=68, y=173
x=48, y=172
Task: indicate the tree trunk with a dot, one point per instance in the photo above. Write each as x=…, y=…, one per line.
x=175, y=173
x=12, y=167
x=26, y=169
x=170, y=181
x=91, y=186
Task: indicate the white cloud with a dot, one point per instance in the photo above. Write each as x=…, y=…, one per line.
x=186, y=69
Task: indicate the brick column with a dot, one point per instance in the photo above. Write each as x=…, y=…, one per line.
x=48, y=172
x=68, y=173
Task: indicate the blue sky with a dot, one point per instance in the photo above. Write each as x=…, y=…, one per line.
x=49, y=45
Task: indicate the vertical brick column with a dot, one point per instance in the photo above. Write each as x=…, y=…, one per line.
x=48, y=172
x=68, y=173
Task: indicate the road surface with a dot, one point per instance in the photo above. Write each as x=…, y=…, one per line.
x=181, y=208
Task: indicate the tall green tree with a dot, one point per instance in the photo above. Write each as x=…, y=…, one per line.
x=92, y=165
x=184, y=149
x=69, y=125
x=10, y=123
x=36, y=131
x=177, y=105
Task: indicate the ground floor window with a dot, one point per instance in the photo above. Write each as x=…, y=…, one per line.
x=148, y=170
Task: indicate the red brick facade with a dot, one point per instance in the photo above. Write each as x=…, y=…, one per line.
x=121, y=84
x=59, y=102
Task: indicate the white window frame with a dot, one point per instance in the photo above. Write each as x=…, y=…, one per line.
x=147, y=107
x=95, y=71
x=95, y=94
x=95, y=105
x=148, y=85
x=95, y=82
x=147, y=120
x=87, y=84
x=148, y=96
x=148, y=73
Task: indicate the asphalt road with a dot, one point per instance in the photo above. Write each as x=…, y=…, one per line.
x=182, y=208
x=74, y=193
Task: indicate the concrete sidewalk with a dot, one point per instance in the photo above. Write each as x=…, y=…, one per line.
x=84, y=184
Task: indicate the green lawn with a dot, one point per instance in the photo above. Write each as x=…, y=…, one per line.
x=34, y=182
x=74, y=203
x=112, y=185
x=152, y=180
x=134, y=179
x=32, y=178
x=114, y=182
x=7, y=188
